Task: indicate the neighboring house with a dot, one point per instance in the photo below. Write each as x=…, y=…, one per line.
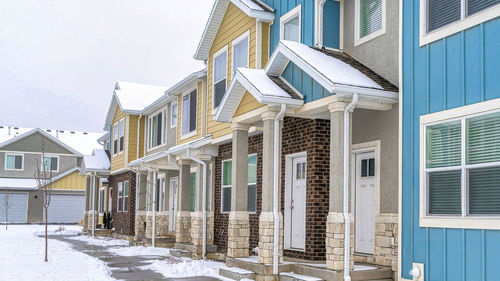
x=450, y=196
x=126, y=127
x=20, y=160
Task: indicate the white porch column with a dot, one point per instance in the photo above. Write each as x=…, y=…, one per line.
x=266, y=219
x=335, y=221
x=238, y=242
x=183, y=219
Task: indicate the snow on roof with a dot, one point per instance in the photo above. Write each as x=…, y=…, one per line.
x=18, y=183
x=98, y=161
x=333, y=69
x=262, y=83
x=83, y=142
x=135, y=96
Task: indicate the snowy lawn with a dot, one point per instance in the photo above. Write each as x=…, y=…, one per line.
x=22, y=256
x=188, y=268
x=139, y=251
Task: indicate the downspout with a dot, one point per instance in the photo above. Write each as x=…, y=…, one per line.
x=275, y=187
x=153, y=227
x=347, y=219
x=320, y=23
x=93, y=204
x=204, y=201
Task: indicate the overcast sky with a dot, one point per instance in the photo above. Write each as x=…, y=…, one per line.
x=59, y=59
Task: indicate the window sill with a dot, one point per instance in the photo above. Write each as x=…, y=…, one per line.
x=188, y=135
x=369, y=37
x=461, y=222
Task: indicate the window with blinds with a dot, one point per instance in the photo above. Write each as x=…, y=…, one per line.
x=443, y=12
x=463, y=164
x=291, y=29
x=370, y=17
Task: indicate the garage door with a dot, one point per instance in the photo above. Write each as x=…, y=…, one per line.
x=17, y=207
x=66, y=208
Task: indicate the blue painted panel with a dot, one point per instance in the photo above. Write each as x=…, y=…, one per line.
x=492, y=254
x=492, y=59
x=436, y=77
x=436, y=249
x=472, y=55
x=452, y=257
x=454, y=71
x=474, y=257
x=305, y=84
x=331, y=24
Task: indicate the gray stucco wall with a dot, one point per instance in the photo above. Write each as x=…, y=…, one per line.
x=31, y=160
x=371, y=125
x=33, y=143
x=35, y=209
x=381, y=53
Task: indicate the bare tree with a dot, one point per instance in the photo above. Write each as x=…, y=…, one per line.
x=43, y=177
x=6, y=207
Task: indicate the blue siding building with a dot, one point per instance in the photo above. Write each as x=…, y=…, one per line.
x=450, y=75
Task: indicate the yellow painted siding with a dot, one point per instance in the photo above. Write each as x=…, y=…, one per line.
x=71, y=181
x=199, y=100
x=247, y=103
x=265, y=43
x=234, y=24
x=118, y=161
x=132, y=143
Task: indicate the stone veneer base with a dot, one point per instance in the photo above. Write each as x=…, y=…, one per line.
x=238, y=235
x=183, y=227
x=266, y=238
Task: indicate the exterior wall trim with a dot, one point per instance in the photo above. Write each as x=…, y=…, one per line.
x=297, y=11
x=22, y=162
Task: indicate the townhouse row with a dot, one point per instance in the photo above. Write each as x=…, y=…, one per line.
x=292, y=146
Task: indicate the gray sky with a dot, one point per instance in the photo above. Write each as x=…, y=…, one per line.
x=59, y=59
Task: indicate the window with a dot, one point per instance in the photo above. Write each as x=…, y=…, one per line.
x=220, y=77
x=126, y=189
x=291, y=25
x=461, y=165
x=189, y=105
x=14, y=162
x=173, y=115
x=101, y=201
x=122, y=133
x=115, y=139
x=441, y=18
x=369, y=20
x=227, y=184
x=156, y=130
x=119, y=206
x=50, y=163
x=240, y=51
x=368, y=168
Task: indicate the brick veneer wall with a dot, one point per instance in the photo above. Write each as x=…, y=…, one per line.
x=312, y=136
x=123, y=222
x=221, y=220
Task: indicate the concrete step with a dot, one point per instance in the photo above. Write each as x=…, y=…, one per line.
x=236, y=273
x=180, y=253
x=290, y=276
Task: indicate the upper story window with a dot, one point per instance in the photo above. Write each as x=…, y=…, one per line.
x=290, y=25
x=173, y=114
x=461, y=166
x=227, y=166
x=115, y=139
x=220, y=77
x=156, y=130
x=122, y=134
x=240, y=51
x=189, y=110
x=50, y=163
x=369, y=20
x=441, y=18
x=14, y=162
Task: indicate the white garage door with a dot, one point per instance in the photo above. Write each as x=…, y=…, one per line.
x=66, y=208
x=17, y=207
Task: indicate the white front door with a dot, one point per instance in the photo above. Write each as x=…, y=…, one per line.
x=295, y=209
x=172, y=204
x=365, y=203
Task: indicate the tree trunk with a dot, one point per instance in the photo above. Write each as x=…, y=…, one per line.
x=46, y=241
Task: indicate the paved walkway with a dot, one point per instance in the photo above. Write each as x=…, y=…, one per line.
x=122, y=267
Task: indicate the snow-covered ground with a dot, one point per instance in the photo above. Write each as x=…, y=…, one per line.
x=101, y=241
x=139, y=251
x=187, y=268
x=22, y=257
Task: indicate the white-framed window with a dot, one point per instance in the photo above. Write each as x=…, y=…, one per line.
x=115, y=139
x=219, y=77
x=227, y=185
x=126, y=190
x=370, y=18
x=441, y=18
x=101, y=201
x=122, y=135
x=189, y=113
x=156, y=129
x=239, y=51
x=173, y=114
x=119, y=206
x=50, y=163
x=291, y=25
x=460, y=167
x=14, y=162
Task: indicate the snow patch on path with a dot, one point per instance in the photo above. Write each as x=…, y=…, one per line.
x=101, y=241
x=139, y=251
x=187, y=268
x=22, y=257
